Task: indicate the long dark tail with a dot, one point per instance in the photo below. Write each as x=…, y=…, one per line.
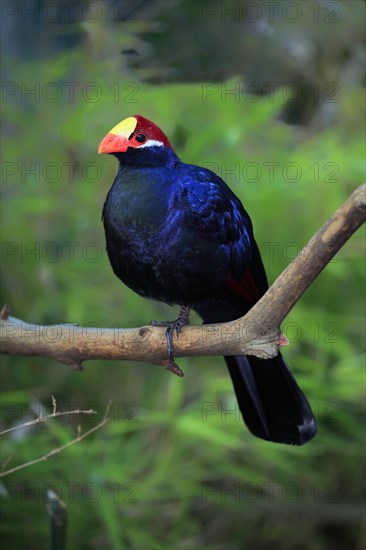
x=272, y=404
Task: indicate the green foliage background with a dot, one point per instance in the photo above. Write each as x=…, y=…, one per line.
x=164, y=473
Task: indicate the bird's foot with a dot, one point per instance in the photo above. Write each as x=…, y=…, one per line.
x=173, y=326
x=176, y=326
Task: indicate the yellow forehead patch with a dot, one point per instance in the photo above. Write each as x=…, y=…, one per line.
x=125, y=128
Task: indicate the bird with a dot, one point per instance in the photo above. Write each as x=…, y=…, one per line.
x=177, y=233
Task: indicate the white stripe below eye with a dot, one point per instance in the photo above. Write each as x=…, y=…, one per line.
x=152, y=143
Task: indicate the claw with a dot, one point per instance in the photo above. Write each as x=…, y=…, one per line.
x=176, y=326
x=169, y=339
x=173, y=326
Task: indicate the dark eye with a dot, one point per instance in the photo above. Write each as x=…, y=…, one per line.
x=140, y=138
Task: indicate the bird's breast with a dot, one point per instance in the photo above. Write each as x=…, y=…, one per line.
x=155, y=246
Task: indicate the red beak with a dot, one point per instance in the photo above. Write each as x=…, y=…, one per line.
x=113, y=143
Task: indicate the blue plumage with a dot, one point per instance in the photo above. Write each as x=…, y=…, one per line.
x=176, y=233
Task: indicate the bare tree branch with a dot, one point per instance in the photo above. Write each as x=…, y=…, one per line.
x=257, y=333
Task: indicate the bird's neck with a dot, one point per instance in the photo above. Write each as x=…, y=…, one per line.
x=142, y=191
x=153, y=157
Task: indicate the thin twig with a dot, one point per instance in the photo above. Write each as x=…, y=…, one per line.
x=54, y=404
x=59, y=449
x=41, y=419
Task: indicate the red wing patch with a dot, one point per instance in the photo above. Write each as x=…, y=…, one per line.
x=246, y=287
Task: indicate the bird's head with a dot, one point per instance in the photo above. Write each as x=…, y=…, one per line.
x=133, y=133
